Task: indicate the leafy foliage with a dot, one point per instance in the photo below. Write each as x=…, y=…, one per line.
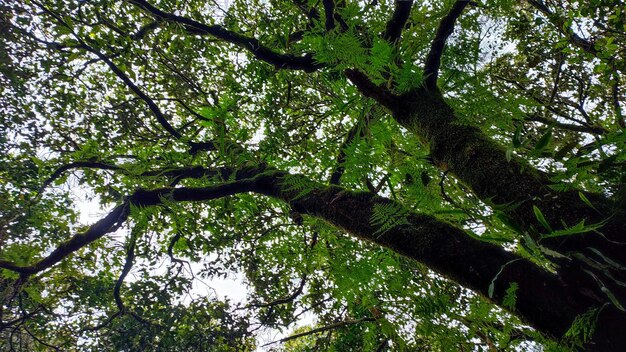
x=102, y=100
x=387, y=216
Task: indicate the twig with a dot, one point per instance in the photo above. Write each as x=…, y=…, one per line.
x=322, y=329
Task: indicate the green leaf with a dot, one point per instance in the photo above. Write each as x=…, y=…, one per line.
x=541, y=218
x=576, y=229
x=510, y=297
x=612, y=297
x=509, y=154
x=608, y=260
x=586, y=201
x=493, y=281
x=583, y=327
x=544, y=141
x=387, y=216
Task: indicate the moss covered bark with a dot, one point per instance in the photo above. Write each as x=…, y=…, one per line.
x=543, y=299
x=517, y=188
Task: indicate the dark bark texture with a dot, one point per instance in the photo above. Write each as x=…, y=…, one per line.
x=544, y=299
x=516, y=188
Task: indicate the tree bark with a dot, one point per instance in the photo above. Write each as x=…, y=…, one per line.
x=543, y=299
x=513, y=186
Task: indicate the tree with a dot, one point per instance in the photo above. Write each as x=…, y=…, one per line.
x=432, y=175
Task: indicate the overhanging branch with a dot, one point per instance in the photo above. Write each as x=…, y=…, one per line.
x=119, y=214
x=480, y=266
x=322, y=329
x=261, y=52
x=74, y=165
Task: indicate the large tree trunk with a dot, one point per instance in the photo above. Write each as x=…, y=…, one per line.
x=544, y=299
x=511, y=183
x=595, y=266
x=517, y=189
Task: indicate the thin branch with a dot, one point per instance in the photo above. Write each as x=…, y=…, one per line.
x=195, y=146
x=560, y=23
x=311, y=12
x=358, y=129
x=117, y=71
x=22, y=318
x=74, y=165
x=143, y=31
x=383, y=345
x=445, y=29
x=170, y=253
x=106, y=322
x=261, y=52
x=128, y=264
x=550, y=107
x=322, y=329
x=56, y=348
x=566, y=126
x=616, y=105
x=284, y=300
x=557, y=79
x=135, y=89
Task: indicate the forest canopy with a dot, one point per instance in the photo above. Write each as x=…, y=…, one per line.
x=376, y=175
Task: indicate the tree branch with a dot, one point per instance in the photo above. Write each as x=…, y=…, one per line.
x=398, y=20
x=616, y=105
x=74, y=165
x=197, y=147
x=143, y=31
x=445, y=29
x=483, y=267
x=135, y=89
x=322, y=329
x=329, y=12
x=566, y=126
x=357, y=129
x=119, y=215
x=560, y=24
x=311, y=13
x=370, y=90
x=109, y=223
x=287, y=299
x=263, y=53
x=117, y=71
x=128, y=264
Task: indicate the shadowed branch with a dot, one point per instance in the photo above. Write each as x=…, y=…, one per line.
x=445, y=29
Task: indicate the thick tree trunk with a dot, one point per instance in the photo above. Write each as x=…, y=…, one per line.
x=543, y=299
x=597, y=259
x=518, y=188
x=596, y=262
x=511, y=183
